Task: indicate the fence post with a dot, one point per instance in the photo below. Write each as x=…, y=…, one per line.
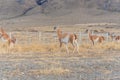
x=80, y=37
x=39, y=36
x=107, y=37
x=27, y=37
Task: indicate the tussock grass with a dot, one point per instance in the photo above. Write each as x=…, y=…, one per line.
x=36, y=47
x=54, y=47
x=108, y=46
x=102, y=46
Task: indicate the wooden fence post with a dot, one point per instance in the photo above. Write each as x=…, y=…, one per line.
x=107, y=37
x=39, y=36
x=80, y=38
x=27, y=37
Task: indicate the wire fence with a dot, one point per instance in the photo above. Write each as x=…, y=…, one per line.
x=50, y=37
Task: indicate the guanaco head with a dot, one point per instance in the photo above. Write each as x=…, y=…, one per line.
x=55, y=27
x=58, y=30
x=88, y=31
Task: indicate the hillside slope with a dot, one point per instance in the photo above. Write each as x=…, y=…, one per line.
x=58, y=12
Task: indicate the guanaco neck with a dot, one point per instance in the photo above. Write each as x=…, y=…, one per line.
x=89, y=34
x=59, y=33
x=4, y=34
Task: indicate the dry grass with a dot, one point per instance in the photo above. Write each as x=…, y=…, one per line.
x=14, y=73
x=54, y=47
x=46, y=71
x=51, y=71
x=36, y=47
x=108, y=46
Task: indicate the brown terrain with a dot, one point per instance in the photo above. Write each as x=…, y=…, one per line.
x=35, y=58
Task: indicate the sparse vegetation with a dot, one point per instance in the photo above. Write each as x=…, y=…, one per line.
x=51, y=71
x=39, y=60
x=54, y=47
x=36, y=58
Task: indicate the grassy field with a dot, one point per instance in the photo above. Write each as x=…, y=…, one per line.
x=53, y=47
x=40, y=61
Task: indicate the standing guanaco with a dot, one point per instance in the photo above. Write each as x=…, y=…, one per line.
x=8, y=38
x=95, y=38
x=67, y=38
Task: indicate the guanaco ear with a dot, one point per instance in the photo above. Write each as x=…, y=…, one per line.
x=56, y=27
x=86, y=31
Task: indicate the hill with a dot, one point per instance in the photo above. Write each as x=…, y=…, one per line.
x=59, y=11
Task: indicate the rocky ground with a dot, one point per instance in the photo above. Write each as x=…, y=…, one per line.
x=46, y=66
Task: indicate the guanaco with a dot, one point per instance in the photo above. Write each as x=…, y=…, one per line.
x=115, y=37
x=95, y=38
x=67, y=38
x=9, y=38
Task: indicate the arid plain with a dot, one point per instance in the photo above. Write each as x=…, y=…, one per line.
x=45, y=61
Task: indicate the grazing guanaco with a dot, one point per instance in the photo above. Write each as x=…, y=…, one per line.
x=115, y=37
x=67, y=38
x=95, y=38
x=8, y=38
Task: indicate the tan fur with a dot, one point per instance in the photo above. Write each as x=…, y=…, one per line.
x=93, y=38
x=7, y=37
x=117, y=38
x=71, y=39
